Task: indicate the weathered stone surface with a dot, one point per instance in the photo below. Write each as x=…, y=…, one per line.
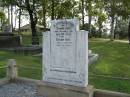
x=4, y=81
x=7, y=29
x=11, y=69
x=65, y=54
x=58, y=90
x=92, y=58
x=18, y=89
x=23, y=87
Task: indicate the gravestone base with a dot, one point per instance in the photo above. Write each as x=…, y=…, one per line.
x=59, y=90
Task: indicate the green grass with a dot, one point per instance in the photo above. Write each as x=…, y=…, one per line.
x=110, y=84
x=113, y=60
x=22, y=60
x=27, y=40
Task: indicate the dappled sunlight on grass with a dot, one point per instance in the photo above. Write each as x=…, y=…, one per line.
x=113, y=58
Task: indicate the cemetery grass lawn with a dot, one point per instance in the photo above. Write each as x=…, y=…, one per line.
x=27, y=38
x=114, y=58
x=113, y=61
x=22, y=61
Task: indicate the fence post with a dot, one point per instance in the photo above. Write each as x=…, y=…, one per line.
x=11, y=69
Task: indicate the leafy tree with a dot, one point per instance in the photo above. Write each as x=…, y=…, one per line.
x=126, y=14
x=2, y=15
x=2, y=18
x=113, y=8
x=93, y=32
x=20, y=12
x=31, y=6
x=82, y=7
x=129, y=30
x=65, y=9
x=89, y=9
x=6, y=3
x=52, y=6
x=121, y=28
x=9, y=4
x=101, y=16
x=44, y=11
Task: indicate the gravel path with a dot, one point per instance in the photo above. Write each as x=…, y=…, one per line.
x=18, y=90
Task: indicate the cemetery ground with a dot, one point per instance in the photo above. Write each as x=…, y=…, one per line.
x=110, y=72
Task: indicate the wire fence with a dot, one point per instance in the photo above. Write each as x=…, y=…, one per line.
x=108, y=82
x=109, y=76
x=3, y=71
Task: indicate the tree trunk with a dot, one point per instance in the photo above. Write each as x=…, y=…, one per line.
x=35, y=39
x=15, y=18
x=12, y=16
x=116, y=22
x=9, y=14
x=19, y=21
x=129, y=32
x=44, y=14
x=89, y=14
x=100, y=27
x=20, y=11
x=90, y=20
x=82, y=12
x=100, y=30
x=33, y=21
x=1, y=23
x=112, y=28
x=52, y=9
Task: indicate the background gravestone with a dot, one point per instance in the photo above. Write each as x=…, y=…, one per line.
x=7, y=29
x=65, y=54
x=8, y=39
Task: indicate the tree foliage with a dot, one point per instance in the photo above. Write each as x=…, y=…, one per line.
x=98, y=11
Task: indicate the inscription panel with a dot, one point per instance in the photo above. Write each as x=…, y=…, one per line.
x=63, y=44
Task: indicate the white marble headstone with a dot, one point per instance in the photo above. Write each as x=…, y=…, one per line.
x=7, y=29
x=65, y=53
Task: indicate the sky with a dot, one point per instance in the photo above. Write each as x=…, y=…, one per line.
x=24, y=19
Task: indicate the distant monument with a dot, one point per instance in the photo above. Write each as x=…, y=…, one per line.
x=65, y=54
x=7, y=29
x=8, y=39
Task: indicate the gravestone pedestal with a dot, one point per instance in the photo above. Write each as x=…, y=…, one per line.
x=60, y=90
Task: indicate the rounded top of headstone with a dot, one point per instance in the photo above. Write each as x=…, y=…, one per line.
x=84, y=31
x=65, y=24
